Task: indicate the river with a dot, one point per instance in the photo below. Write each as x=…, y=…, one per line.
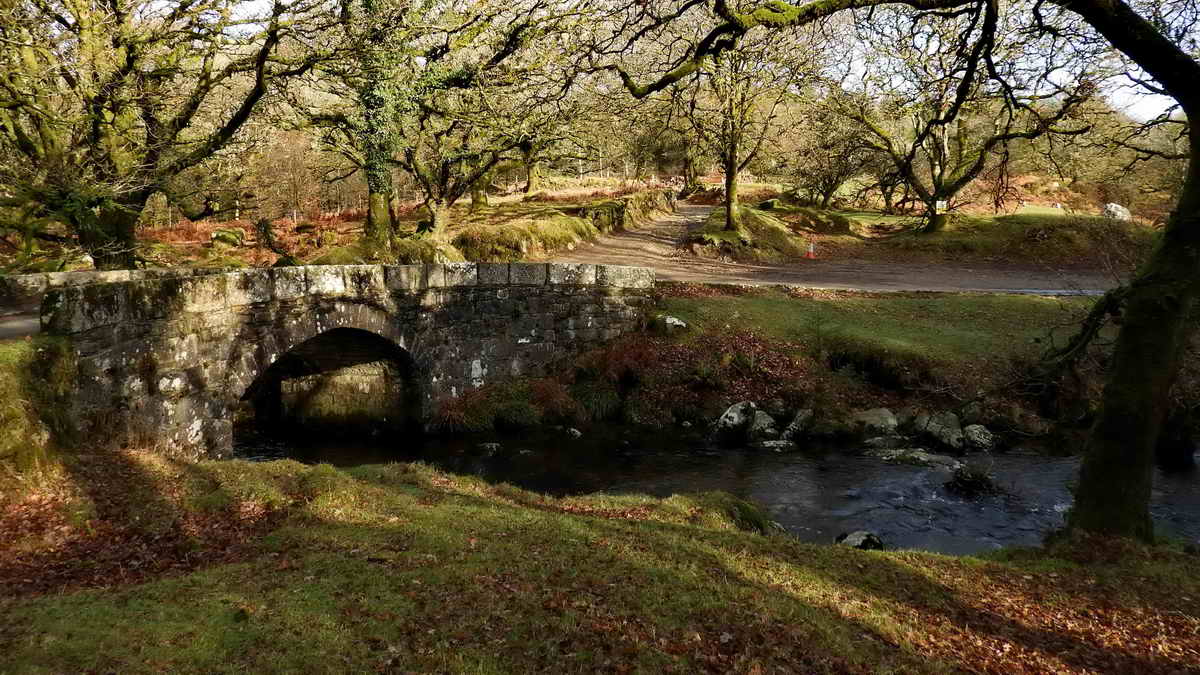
x=816, y=493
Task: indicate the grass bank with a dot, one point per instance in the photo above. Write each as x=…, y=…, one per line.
x=238, y=567
x=778, y=231
x=1028, y=238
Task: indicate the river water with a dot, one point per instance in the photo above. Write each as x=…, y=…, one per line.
x=816, y=493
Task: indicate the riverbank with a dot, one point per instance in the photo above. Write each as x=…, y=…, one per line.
x=234, y=567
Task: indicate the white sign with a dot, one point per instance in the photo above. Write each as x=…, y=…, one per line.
x=940, y=206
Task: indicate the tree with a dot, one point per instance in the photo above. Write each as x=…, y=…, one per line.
x=923, y=95
x=736, y=100
x=1113, y=494
x=824, y=149
x=108, y=104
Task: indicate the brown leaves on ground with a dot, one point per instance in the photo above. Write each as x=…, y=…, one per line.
x=114, y=525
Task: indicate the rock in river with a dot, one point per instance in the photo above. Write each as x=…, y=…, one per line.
x=762, y=427
x=978, y=437
x=735, y=420
x=875, y=422
x=867, y=541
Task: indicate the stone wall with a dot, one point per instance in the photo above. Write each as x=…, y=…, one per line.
x=24, y=292
x=164, y=362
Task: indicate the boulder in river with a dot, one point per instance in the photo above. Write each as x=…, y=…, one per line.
x=775, y=446
x=735, y=420
x=875, y=422
x=884, y=442
x=799, y=424
x=977, y=437
x=916, y=456
x=861, y=539
x=762, y=427
x=942, y=427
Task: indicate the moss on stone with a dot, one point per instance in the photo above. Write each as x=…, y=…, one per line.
x=35, y=377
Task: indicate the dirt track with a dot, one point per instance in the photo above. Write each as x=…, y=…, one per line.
x=656, y=246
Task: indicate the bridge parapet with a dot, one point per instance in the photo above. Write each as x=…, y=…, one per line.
x=164, y=361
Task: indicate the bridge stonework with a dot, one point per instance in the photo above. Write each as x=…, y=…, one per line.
x=165, y=362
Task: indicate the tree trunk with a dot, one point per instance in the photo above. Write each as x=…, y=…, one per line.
x=1113, y=495
x=479, y=197
x=935, y=222
x=376, y=139
x=110, y=238
x=731, y=194
x=439, y=218
x=532, y=178
x=827, y=197
x=690, y=179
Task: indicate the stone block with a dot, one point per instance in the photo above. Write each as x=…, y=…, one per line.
x=571, y=274
x=492, y=274
x=290, y=282
x=21, y=291
x=204, y=294
x=460, y=274
x=249, y=288
x=61, y=311
x=84, y=278
x=366, y=282
x=434, y=276
x=325, y=280
x=404, y=278
x=527, y=274
x=622, y=276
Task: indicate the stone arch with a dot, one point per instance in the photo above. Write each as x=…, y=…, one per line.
x=343, y=378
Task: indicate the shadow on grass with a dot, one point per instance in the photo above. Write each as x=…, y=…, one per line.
x=122, y=526
x=399, y=567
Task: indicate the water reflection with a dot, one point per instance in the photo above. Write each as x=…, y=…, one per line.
x=815, y=494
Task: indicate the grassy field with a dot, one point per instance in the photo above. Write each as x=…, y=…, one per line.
x=969, y=336
x=279, y=567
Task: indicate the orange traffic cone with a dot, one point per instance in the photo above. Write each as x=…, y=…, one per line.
x=812, y=251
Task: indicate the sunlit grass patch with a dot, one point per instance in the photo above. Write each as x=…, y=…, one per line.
x=403, y=567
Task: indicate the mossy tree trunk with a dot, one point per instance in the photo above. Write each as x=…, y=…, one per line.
x=479, y=196
x=935, y=221
x=730, y=164
x=439, y=217
x=107, y=233
x=376, y=98
x=691, y=178
x=533, y=178
x=1113, y=496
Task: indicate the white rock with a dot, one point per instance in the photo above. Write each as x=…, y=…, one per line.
x=776, y=446
x=877, y=421
x=735, y=419
x=867, y=541
x=1116, y=212
x=944, y=428
x=978, y=437
x=762, y=427
x=799, y=424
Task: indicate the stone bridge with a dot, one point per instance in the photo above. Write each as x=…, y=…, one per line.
x=167, y=362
